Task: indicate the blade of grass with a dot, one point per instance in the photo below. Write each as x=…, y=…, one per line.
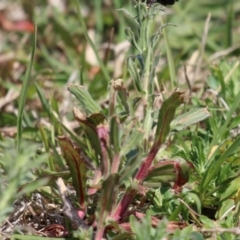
x=84, y=28
x=54, y=63
x=99, y=16
x=24, y=89
x=171, y=64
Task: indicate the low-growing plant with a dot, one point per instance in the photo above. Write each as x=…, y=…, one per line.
x=117, y=161
x=142, y=165
x=17, y=178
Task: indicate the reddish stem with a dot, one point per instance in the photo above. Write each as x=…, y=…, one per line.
x=143, y=170
x=141, y=174
x=115, y=163
x=124, y=203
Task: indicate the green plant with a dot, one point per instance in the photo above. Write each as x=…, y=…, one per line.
x=17, y=176
x=145, y=149
x=120, y=149
x=214, y=153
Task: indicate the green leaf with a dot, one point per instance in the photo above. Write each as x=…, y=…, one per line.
x=189, y=118
x=176, y=171
x=122, y=93
x=45, y=104
x=196, y=236
x=193, y=198
x=142, y=230
x=225, y=127
x=154, y=67
x=25, y=237
x=157, y=199
x=217, y=72
x=224, y=209
x=171, y=63
x=132, y=39
x=130, y=167
x=24, y=89
x=208, y=223
x=115, y=134
x=166, y=115
x=162, y=172
x=16, y=167
x=215, y=165
x=231, y=190
x=235, y=122
x=132, y=142
x=87, y=104
x=133, y=70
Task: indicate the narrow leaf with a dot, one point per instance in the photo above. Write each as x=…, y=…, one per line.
x=166, y=115
x=89, y=129
x=77, y=162
x=161, y=172
x=215, y=165
x=189, y=118
x=87, y=104
x=115, y=134
x=122, y=93
x=225, y=127
x=132, y=142
x=176, y=171
x=24, y=89
x=133, y=70
x=232, y=189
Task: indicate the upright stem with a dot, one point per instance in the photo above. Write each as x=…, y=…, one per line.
x=131, y=192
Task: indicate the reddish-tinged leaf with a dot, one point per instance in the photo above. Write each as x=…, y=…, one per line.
x=165, y=117
x=163, y=171
x=98, y=135
x=89, y=129
x=182, y=168
x=92, y=120
x=176, y=171
x=103, y=135
x=77, y=162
